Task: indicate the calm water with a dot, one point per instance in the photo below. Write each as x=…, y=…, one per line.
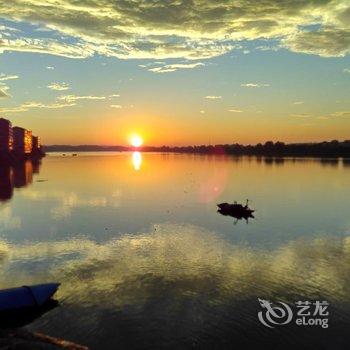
x=145, y=261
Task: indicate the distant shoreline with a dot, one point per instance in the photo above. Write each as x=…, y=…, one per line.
x=277, y=149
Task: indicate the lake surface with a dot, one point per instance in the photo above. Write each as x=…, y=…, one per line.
x=146, y=262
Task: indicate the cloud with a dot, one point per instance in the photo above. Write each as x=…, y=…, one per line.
x=174, y=67
x=58, y=86
x=55, y=105
x=300, y=115
x=73, y=98
x=32, y=104
x=5, y=29
x=212, y=97
x=326, y=42
x=298, y=103
x=46, y=46
x=338, y=114
x=13, y=109
x=4, y=77
x=267, y=48
x=50, y=68
x=196, y=29
x=111, y=97
x=235, y=111
x=60, y=102
x=346, y=70
x=254, y=85
x=4, y=91
x=341, y=114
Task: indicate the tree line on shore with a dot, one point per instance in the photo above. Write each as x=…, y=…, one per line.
x=269, y=148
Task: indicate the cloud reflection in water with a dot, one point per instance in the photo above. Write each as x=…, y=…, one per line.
x=193, y=260
x=134, y=290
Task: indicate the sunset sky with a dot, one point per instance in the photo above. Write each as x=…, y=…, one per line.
x=176, y=72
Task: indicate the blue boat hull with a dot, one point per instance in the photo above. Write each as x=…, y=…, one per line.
x=27, y=296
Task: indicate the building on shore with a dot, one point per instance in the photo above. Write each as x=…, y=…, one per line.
x=18, y=144
x=22, y=141
x=6, y=136
x=36, y=145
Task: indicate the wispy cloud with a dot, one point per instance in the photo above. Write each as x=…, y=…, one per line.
x=4, y=77
x=13, y=109
x=55, y=105
x=298, y=103
x=174, y=67
x=254, y=85
x=33, y=104
x=152, y=64
x=346, y=70
x=60, y=102
x=46, y=46
x=268, y=48
x=8, y=29
x=340, y=114
x=73, y=98
x=111, y=97
x=58, y=86
x=4, y=91
x=50, y=67
x=300, y=115
x=235, y=110
x=213, y=97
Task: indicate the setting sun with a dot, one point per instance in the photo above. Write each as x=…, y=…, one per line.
x=136, y=140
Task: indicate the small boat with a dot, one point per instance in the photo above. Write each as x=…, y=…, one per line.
x=238, y=211
x=27, y=296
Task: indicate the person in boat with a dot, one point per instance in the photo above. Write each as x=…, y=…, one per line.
x=246, y=204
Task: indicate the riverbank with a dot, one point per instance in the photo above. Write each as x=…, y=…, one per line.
x=19, y=339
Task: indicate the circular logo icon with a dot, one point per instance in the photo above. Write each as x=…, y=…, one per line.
x=274, y=315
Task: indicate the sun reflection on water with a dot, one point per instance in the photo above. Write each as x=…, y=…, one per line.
x=137, y=160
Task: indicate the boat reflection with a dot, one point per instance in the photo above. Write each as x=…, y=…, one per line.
x=137, y=160
x=16, y=176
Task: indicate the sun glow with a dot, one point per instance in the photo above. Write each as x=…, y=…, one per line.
x=136, y=140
